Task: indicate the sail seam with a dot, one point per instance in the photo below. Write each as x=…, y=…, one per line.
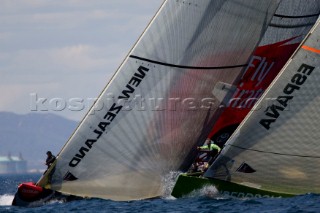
x=276, y=153
x=186, y=67
x=290, y=26
x=305, y=16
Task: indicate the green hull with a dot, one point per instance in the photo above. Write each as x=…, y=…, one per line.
x=186, y=184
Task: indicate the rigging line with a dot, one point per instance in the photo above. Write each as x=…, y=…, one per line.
x=186, y=67
x=276, y=153
x=290, y=26
x=305, y=16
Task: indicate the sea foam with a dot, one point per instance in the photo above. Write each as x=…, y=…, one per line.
x=6, y=200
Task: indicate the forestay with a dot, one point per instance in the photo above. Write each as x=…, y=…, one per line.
x=276, y=148
x=159, y=103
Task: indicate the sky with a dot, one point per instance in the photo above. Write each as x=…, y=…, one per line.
x=53, y=52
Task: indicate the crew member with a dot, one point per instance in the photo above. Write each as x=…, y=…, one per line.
x=50, y=159
x=212, y=148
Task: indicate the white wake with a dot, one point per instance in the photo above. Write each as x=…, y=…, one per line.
x=168, y=183
x=6, y=200
x=206, y=191
x=170, y=179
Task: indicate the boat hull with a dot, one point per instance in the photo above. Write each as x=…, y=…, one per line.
x=31, y=195
x=186, y=184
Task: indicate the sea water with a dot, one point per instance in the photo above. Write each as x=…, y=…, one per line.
x=203, y=200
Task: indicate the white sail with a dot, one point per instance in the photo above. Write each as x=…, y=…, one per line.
x=292, y=17
x=160, y=101
x=276, y=148
x=292, y=21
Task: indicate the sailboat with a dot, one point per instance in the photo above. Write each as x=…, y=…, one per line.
x=159, y=104
x=290, y=24
x=274, y=151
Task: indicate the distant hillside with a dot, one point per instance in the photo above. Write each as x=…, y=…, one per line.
x=33, y=135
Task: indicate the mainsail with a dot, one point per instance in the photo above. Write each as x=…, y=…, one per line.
x=159, y=103
x=291, y=23
x=276, y=148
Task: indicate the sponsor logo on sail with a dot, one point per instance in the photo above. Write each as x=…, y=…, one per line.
x=274, y=111
x=112, y=113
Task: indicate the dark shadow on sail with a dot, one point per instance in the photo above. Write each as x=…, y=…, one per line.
x=245, y=168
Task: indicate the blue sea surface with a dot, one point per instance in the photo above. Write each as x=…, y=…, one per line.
x=205, y=200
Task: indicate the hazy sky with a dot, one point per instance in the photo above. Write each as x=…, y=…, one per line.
x=53, y=51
